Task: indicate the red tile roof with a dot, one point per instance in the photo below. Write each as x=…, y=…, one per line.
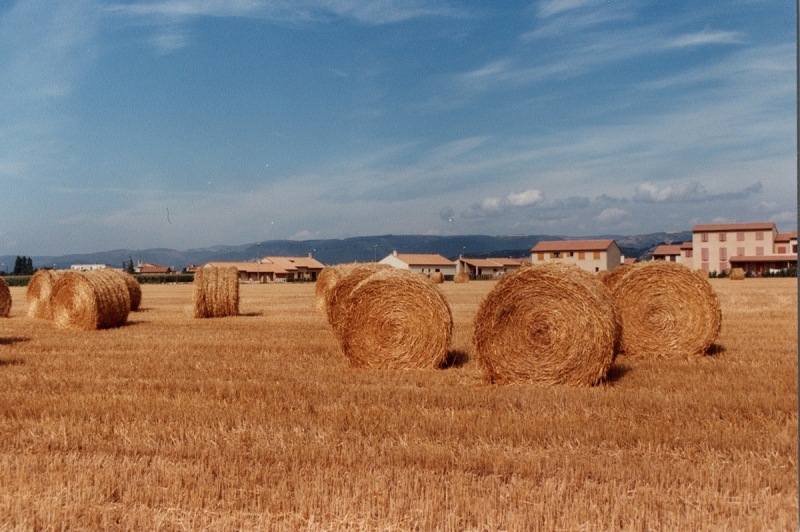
x=424, y=259
x=667, y=249
x=786, y=237
x=719, y=228
x=573, y=245
x=687, y=245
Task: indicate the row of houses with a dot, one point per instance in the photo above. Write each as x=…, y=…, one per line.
x=755, y=247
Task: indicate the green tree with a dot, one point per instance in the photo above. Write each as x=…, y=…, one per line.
x=129, y=267
x=23, y=266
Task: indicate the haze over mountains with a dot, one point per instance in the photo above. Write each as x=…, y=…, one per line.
x=362, y=249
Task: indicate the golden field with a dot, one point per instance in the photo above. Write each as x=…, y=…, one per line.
x=257, y=422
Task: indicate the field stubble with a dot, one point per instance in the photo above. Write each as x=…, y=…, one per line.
x=257, y=422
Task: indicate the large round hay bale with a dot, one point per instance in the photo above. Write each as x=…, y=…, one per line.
x=350, y=275
x=666, y=310
x=615, y=276
x=602, y=274
x=134, y=288
x=86, y=301
x=391, y=319
x=437, y=277
x=331, y=275
x=461, y=277
x=38, y=293
x=737, y=274
x=215, y=292
x=5, y=299
x=547, y=324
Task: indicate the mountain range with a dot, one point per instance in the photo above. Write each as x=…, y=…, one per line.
x=336, y=251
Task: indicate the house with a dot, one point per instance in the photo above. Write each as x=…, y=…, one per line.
x=276, y=269
x=687, y=254
x=426, y=263
x=152, y=269
x=591, y=255
x=668, y=252
x=754, y=247
x=87, y=267
x=628, y=260
x=492, y=266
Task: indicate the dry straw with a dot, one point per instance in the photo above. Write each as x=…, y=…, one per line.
x=97, y=299
x=701, y=273
x=614, y=277
x=602, y=274
x=437, y=277
x=547, y=324
x=461, y=277
x=737, y=274
x=666, y=310
x=38, y=294
x=134, y=289
x=331, y=275
x=216, y=292
x=5, y=299
x=390, y=319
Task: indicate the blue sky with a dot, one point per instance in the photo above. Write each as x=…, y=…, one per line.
x=191, y=123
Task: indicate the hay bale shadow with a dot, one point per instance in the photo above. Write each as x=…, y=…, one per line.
x=13, y=340
x=251, y=314
x=616, y=372
x=12, y=362
x=715, y=349
x=455, y=359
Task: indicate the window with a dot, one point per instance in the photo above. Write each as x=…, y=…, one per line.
x=581, y=255
x=706, y=266
x=672, y=258
x=759, y=236
x=781, y=249
x=794, y=248
x=723, y=237
x=689, y=253
x=703, y=237
x=596, y=255
x=541, y=256
x=723, y=253
x=740, y=237
x=740, y=252
x=760, y=251
x=556, y=254
x=704, y=253
x=570, y=254
x=723, y=266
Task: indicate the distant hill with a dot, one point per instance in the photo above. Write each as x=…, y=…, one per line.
x=362, y=249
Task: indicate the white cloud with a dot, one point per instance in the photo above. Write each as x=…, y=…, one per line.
x=611, y=215
x=705, y=37
x=529, y=197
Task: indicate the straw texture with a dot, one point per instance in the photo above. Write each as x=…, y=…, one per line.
x=134, y=289
x=5, y=299
x=96, y=299
x=437, y=277
x=614, y=277
x=390, y=319
x=547, y=324
x=701, y=273
x=330, y=276
x=737, y=274
x=215, y=292
x=38, y=294
x=461, y=277
x=666, y=310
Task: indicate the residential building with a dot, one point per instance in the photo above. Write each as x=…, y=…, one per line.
x=87, y=267
x=755, y=247
x=687, y=254
x=426, y=263
x=493, y=266
x=591, y=255
x=276, y=269
x=668, y=252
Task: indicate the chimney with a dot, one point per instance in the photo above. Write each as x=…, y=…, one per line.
x=309, y=255
x=394, y=252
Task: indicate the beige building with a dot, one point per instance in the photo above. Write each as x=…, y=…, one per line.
x=755, y=247
x=276, y=269
x=495, y=267
x=669, y=253
x=426, y=263
x=591, y=255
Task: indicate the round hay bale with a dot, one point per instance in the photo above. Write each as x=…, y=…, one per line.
x=701, y=273
x=38, y=294
x=391, y=319
x=437, y=277
x=737, y=274
x=613, y=278
x=331, y=275
x=86, y=301
x=349, y=275
x=215, y=292
x=134, y=288
x=602, y=274
x=5, y=299
x=461, y=277
x=666, y=310
x=547, y=324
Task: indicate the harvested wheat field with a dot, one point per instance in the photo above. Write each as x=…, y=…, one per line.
x=258, y=422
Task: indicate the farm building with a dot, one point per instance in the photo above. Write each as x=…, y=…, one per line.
x=669, y=253
x=591, y=255
x=152, y=269
x=88, y=267
x=491, y=266
x=277, y=269
x=755, y=247
x=426, y=263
